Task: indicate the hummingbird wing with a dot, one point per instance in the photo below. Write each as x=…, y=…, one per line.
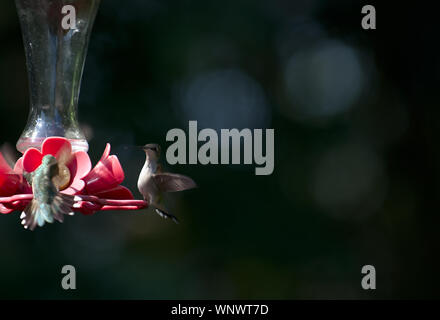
x=62, y=205
x=64, y=156
x=28, y=176
x=28, y=217
x=172, y=182
x=37, y=213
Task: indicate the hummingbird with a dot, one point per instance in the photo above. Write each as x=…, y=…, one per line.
x=48, y=203
x=152, y=182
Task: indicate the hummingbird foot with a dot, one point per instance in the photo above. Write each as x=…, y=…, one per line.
x=166, y=215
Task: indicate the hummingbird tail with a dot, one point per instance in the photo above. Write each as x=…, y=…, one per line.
x=38, y=214
x=166, y=215
x=27, y=217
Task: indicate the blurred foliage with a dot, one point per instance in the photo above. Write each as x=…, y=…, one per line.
x=356, y=159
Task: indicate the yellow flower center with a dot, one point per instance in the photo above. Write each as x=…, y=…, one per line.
x=62, y=180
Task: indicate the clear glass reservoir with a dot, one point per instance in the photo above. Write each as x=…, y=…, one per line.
x=55, y=40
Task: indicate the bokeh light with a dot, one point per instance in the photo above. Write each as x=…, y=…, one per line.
x=324, y=80
x=224, y=99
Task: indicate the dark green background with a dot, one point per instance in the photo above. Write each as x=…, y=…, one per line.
x=353, y=185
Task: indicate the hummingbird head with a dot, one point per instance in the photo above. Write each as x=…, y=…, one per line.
x=51, y=163
x=152, y=150
x=49, y=160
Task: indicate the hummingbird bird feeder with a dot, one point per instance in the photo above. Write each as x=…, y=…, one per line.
x=55, y=57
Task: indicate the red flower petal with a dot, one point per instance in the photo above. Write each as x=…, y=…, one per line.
x=75, y=188
x=9, y=183
x=18, y=167
x=88, y=208
x=83, y=164
x=56, y=146
x=116, y=168
x=99, y=179
x=32, y=159
x=106, y=152
x=120, y=193
x=5, y=210
x=107, y=174
x=24, y=186
x=9, y=207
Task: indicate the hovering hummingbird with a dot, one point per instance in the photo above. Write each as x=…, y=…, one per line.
x=48, y=203
x=152, y=182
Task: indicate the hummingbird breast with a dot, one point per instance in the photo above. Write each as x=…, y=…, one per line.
x=146, y=184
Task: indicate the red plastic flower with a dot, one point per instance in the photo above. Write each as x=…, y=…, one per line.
x=9, y=180
x=105, y=178
x=12, y=182
x=77, y=163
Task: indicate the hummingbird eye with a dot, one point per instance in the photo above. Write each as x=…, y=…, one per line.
x=152, y=147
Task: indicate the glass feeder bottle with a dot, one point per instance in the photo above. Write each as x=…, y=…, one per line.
x=55, y=58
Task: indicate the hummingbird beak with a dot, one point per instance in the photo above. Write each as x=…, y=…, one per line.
x=136, y=147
